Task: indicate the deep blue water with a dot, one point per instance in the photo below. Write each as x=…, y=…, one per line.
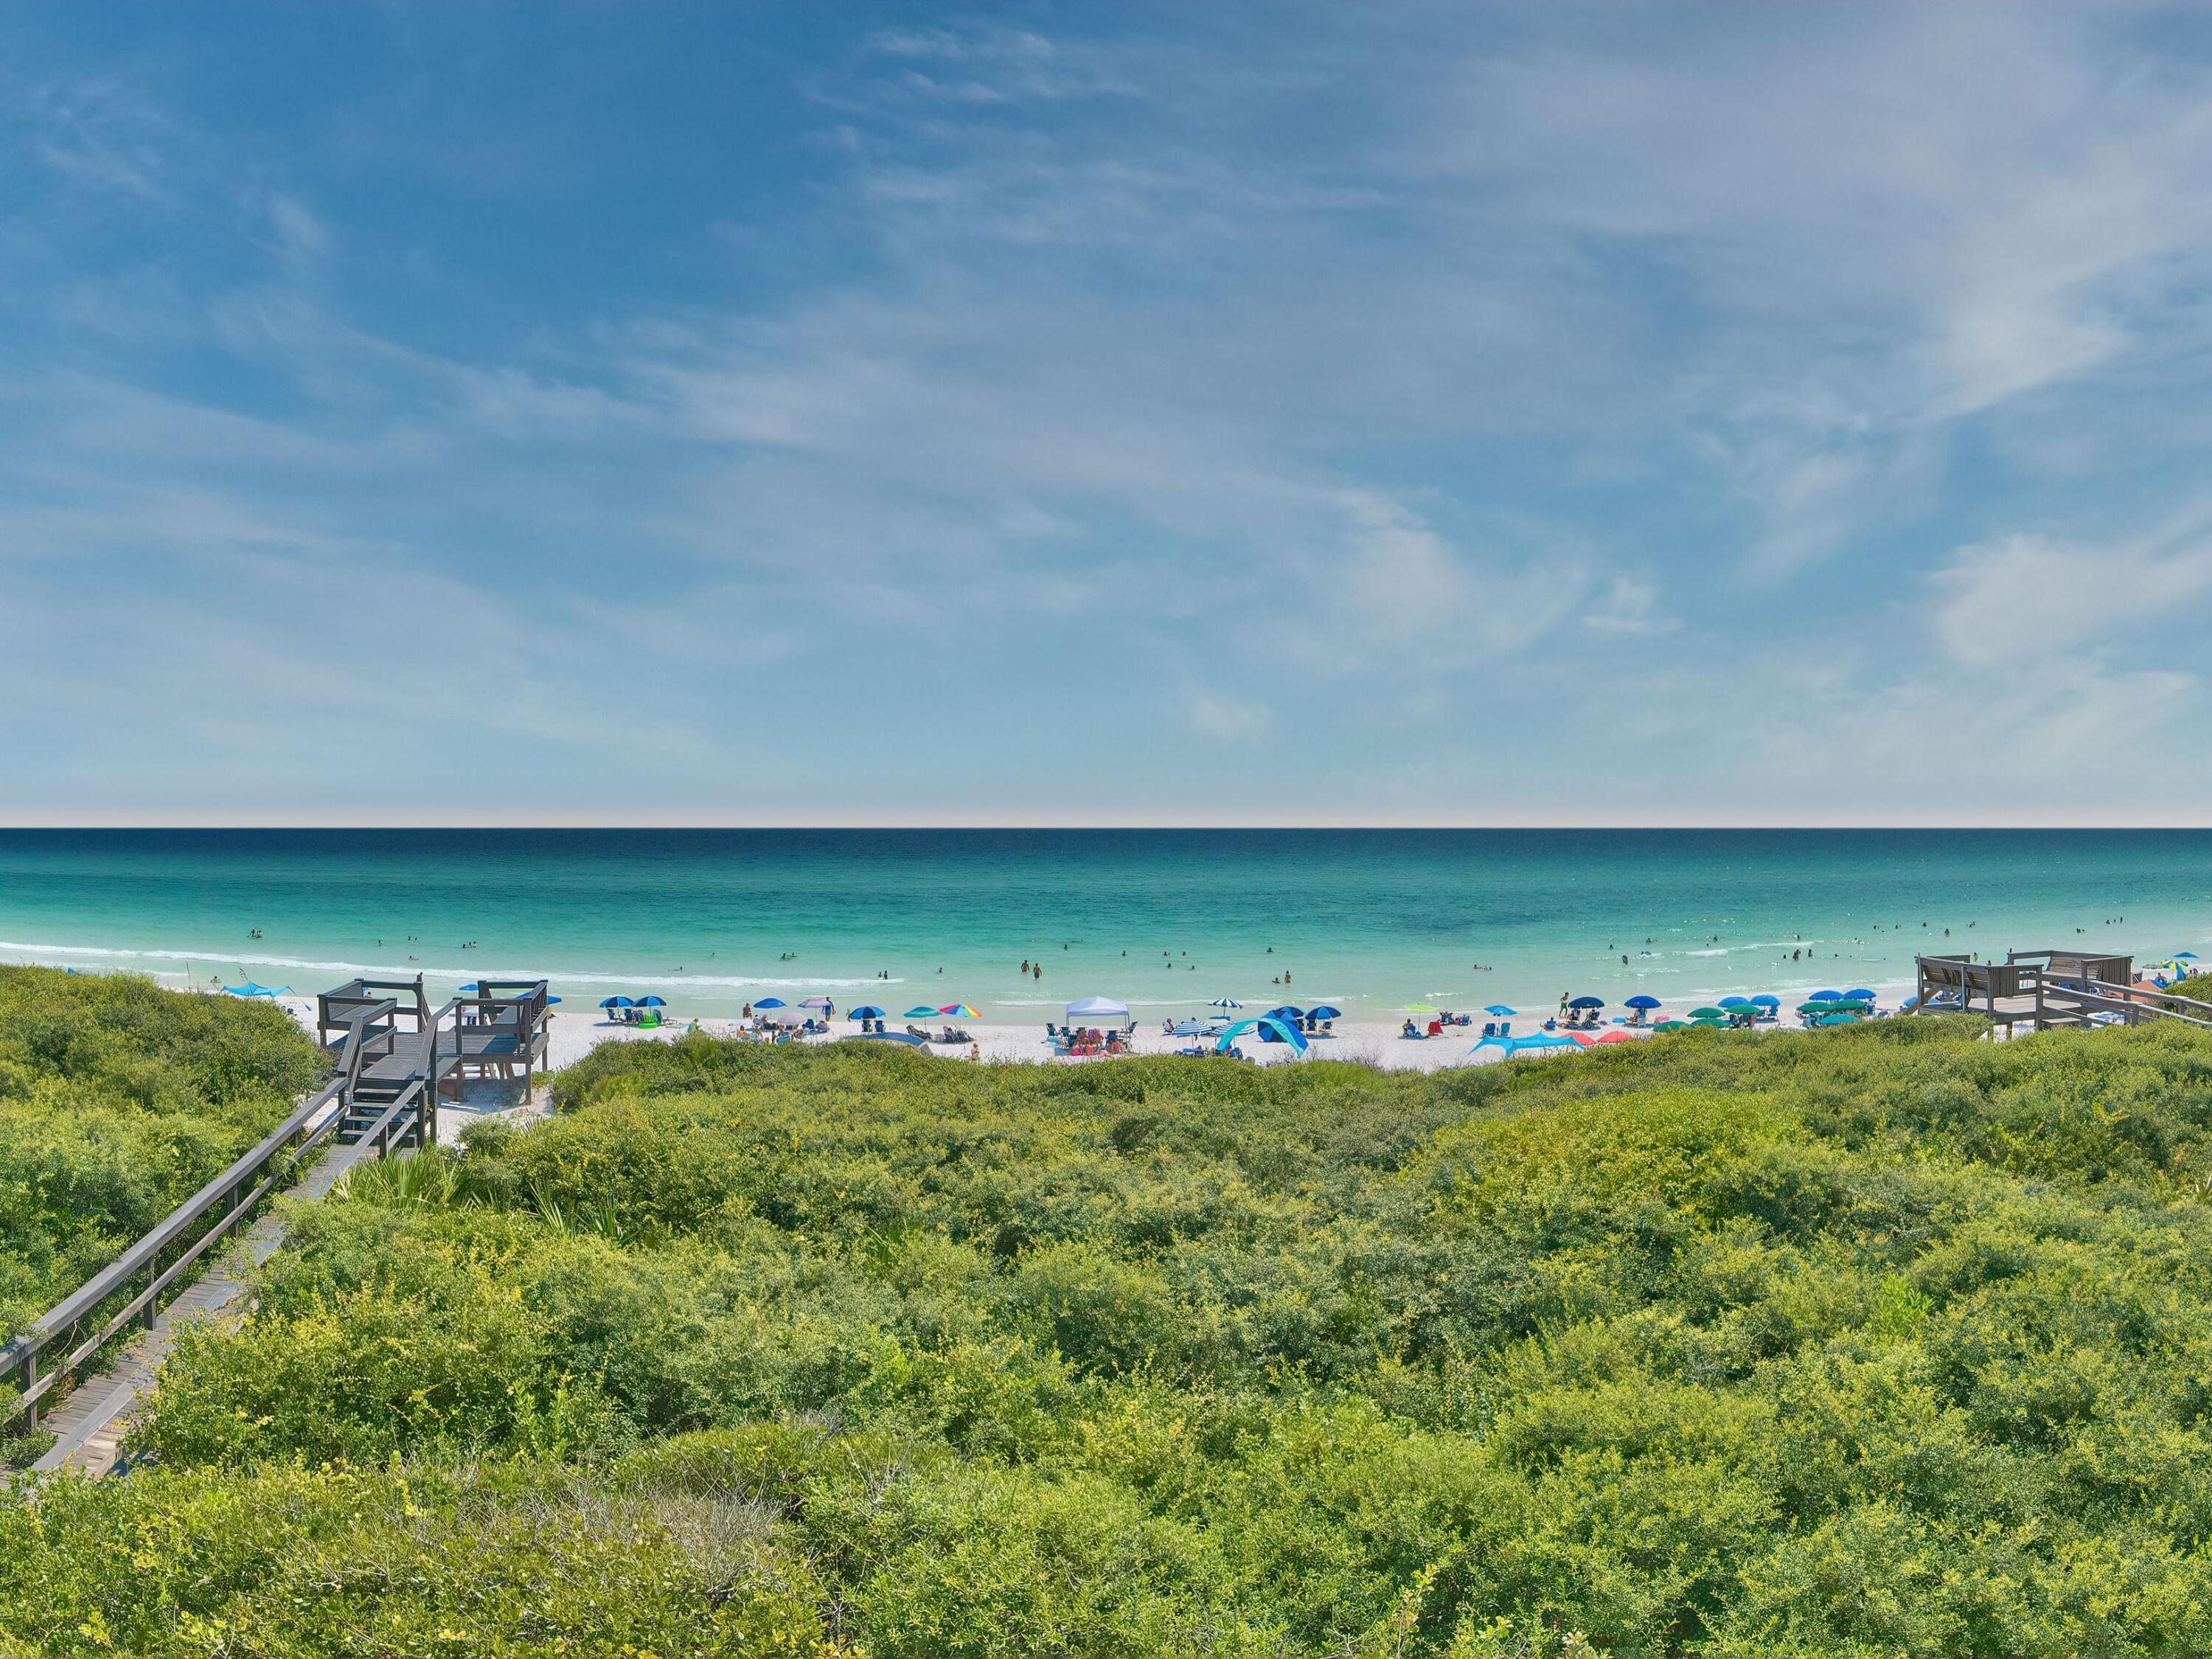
x=1368, y=919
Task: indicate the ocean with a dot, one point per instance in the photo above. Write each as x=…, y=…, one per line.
x=1162, y=919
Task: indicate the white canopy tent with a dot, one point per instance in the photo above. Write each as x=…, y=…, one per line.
x=1098, y=1011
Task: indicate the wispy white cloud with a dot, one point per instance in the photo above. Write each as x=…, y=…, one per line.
x=1207, y=376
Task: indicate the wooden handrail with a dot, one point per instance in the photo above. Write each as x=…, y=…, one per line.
x=19, y=1357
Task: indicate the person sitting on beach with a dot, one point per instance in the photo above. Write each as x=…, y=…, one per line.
x=1409, y=1031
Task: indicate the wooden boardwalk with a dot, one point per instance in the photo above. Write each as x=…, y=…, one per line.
x=89, y=1426
x=393, y=1063
x=2045, y=990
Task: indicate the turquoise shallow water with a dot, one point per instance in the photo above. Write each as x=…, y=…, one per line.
x=1162, y=919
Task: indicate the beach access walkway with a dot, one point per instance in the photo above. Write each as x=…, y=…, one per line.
x=2044, y=990
x=392, y=1058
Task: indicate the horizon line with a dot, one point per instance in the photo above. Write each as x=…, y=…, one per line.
x=1624, y=826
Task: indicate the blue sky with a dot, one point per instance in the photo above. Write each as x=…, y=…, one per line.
x=1425, y=414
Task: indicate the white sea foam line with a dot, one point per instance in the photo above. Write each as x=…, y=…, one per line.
x=474, y=970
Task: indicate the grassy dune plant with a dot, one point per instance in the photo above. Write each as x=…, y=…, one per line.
x=1878, y=1341
x=118, y=1100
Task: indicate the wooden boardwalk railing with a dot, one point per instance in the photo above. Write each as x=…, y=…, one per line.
x=327, y=1130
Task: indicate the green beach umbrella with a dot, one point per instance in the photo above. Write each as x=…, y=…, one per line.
x=1671, y=1025
x=1708, y=1013
x=1417, y=1008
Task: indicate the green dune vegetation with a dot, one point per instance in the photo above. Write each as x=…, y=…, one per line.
x=1880, y=1340
x=117, y=1101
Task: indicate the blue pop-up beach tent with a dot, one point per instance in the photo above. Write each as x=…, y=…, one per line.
x=250, y=989
x=1282, y=1031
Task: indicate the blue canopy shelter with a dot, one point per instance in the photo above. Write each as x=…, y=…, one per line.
x=1535, y=1043
x=1281, y=1030
x=250, y=989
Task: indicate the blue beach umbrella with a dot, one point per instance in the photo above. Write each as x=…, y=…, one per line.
x=1587, y=1002
x=1324, y=1011
x=1225, y=1002
x=2184, y=955
x=1735, y=1002
x=924, y=1013
x=1763, y=1000
x=865, y=1011
x=1641, y=1001
x=1501, y=1011
x=617, y=1002
x=1826, y=996
x=1860, y=995
x=778, y=1002
x=250, y=989
x=1286, y=1013
x=651, y=1002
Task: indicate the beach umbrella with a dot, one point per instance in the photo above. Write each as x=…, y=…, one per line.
x=1763, y=1000
x=1735, y=1002
x=958, y=1010
x=1287, y=1011
x=1587, y=1002
x=786, y=1016
x=1501, y=1011
x=619, y=1002
x=2184, y=955
x=923, y=1012
x=1708, y=1013
x=1225, y=1002
x=769, y=1002
x=1858, y=996
x=815, y=1002
x=651, y=1002
x=1581, y=1039
x=1824, y=996
x=865, y=1011
x=1641, y=1001
x=1706, y=1019
x=1324, y=1011
x=1671, y=1025
x=1846, y=1017
x=1617, y=1036
x=1417, y=1008
x=1828, y=1008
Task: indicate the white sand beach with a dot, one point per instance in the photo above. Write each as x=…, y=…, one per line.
x=573, y=1035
